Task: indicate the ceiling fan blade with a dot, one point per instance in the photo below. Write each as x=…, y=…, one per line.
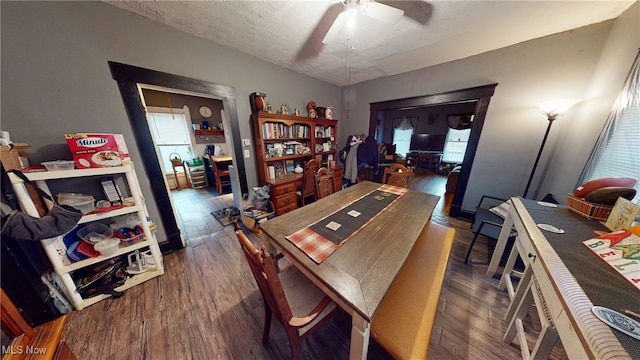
x=382, y=12
x=335, y=28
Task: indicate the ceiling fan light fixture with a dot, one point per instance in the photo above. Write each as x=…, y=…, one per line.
x=381, y=12
x=385, y=13
x=352, y=12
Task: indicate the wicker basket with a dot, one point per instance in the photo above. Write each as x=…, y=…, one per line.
x=175, y=158
x=588, y=209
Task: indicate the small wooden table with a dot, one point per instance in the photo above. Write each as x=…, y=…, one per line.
x=359, y=273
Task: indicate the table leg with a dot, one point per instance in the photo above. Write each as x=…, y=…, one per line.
x=360, y=331
x=500, y=245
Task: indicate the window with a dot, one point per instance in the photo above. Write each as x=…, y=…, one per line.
x=456, y=145
x=617, y=153
x=171, y=135
x=402, y=139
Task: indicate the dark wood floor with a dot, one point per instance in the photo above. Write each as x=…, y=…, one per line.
x=207, y=306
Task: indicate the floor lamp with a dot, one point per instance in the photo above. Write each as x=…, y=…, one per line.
x=552, y=109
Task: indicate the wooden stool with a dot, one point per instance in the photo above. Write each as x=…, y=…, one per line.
x=175, y=165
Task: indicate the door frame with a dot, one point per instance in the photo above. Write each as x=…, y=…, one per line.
x=128, y=78
x=481, y=95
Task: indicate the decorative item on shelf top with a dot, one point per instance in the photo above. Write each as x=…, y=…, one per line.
x=175, y=158
x=311, y=109
x=328, y=113
x=296, y=112
x=269, y=110
x=257, y=102
x=321, y=111
x=284, y=109
x=311, y=105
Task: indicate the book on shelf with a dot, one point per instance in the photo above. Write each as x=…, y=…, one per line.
x=289, y=166
x=279, y=168
x=282, y=131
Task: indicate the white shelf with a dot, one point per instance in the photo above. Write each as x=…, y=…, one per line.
x=124, y=249
x=55, y=248
x=131, y=282
x=67, y=174
x=106, y=215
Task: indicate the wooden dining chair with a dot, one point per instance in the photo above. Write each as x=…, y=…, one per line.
x=338, y=174
x=308, y=188
x=397, y=175
x=221, y=174
x=297, y=303
x=324, y=183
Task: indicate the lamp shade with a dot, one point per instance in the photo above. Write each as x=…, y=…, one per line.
x=558, y=106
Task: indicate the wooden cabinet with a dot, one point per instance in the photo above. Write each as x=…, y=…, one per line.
x=427, y=160
x=56, y=248
x=283, y=192
x=286, y=141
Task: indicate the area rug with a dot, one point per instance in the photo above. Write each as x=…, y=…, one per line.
x=226, y=215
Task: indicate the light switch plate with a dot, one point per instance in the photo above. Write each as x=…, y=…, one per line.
x=246, y=154
x=246, y=142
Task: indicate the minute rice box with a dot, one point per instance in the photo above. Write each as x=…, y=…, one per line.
x=91, y=150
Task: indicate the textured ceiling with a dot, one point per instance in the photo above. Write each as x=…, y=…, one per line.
x=290, y=33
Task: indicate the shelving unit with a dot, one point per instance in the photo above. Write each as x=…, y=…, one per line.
x=198, y=176
x=285, y=141
x=56, y=249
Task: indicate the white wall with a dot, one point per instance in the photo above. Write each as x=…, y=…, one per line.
x=565, y=65
x=56, y=80
x=605, y=83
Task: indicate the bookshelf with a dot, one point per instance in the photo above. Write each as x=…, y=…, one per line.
x=286, y=141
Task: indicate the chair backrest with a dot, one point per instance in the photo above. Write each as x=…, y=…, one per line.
x=266, y=275
x=338, y=173
x=308, y=177
x=324, y=183
x=387, y=153
x=398, y=175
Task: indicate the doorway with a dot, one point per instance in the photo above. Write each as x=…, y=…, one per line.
x=129, y=79
x=480, y=95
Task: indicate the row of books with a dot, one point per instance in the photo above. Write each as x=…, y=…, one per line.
x=282, y=131
x=322, y=131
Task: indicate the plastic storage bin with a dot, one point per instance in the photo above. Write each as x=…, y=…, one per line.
x=82, y=202
x=59, y=165
x=94, y=233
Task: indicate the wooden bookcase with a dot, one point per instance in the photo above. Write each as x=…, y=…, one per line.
x=286, y=141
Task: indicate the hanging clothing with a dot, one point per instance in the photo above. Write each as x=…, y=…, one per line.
x=351, y=164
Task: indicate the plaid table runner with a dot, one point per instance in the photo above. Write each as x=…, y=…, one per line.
x=322, y=238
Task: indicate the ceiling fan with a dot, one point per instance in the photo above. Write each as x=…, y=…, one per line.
x=370, y=8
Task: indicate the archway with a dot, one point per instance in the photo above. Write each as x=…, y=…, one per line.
x=128, y=77
x=481, y=95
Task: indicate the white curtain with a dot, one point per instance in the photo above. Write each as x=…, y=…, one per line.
x=402, y=136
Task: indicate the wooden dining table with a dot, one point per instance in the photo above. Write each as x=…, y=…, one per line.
x=359, y=273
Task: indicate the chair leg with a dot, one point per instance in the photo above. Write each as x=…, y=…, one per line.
x=475, y=237
x=296, y=349
x=267, y=323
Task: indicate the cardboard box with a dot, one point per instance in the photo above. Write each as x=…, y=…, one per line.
x=91, y=150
